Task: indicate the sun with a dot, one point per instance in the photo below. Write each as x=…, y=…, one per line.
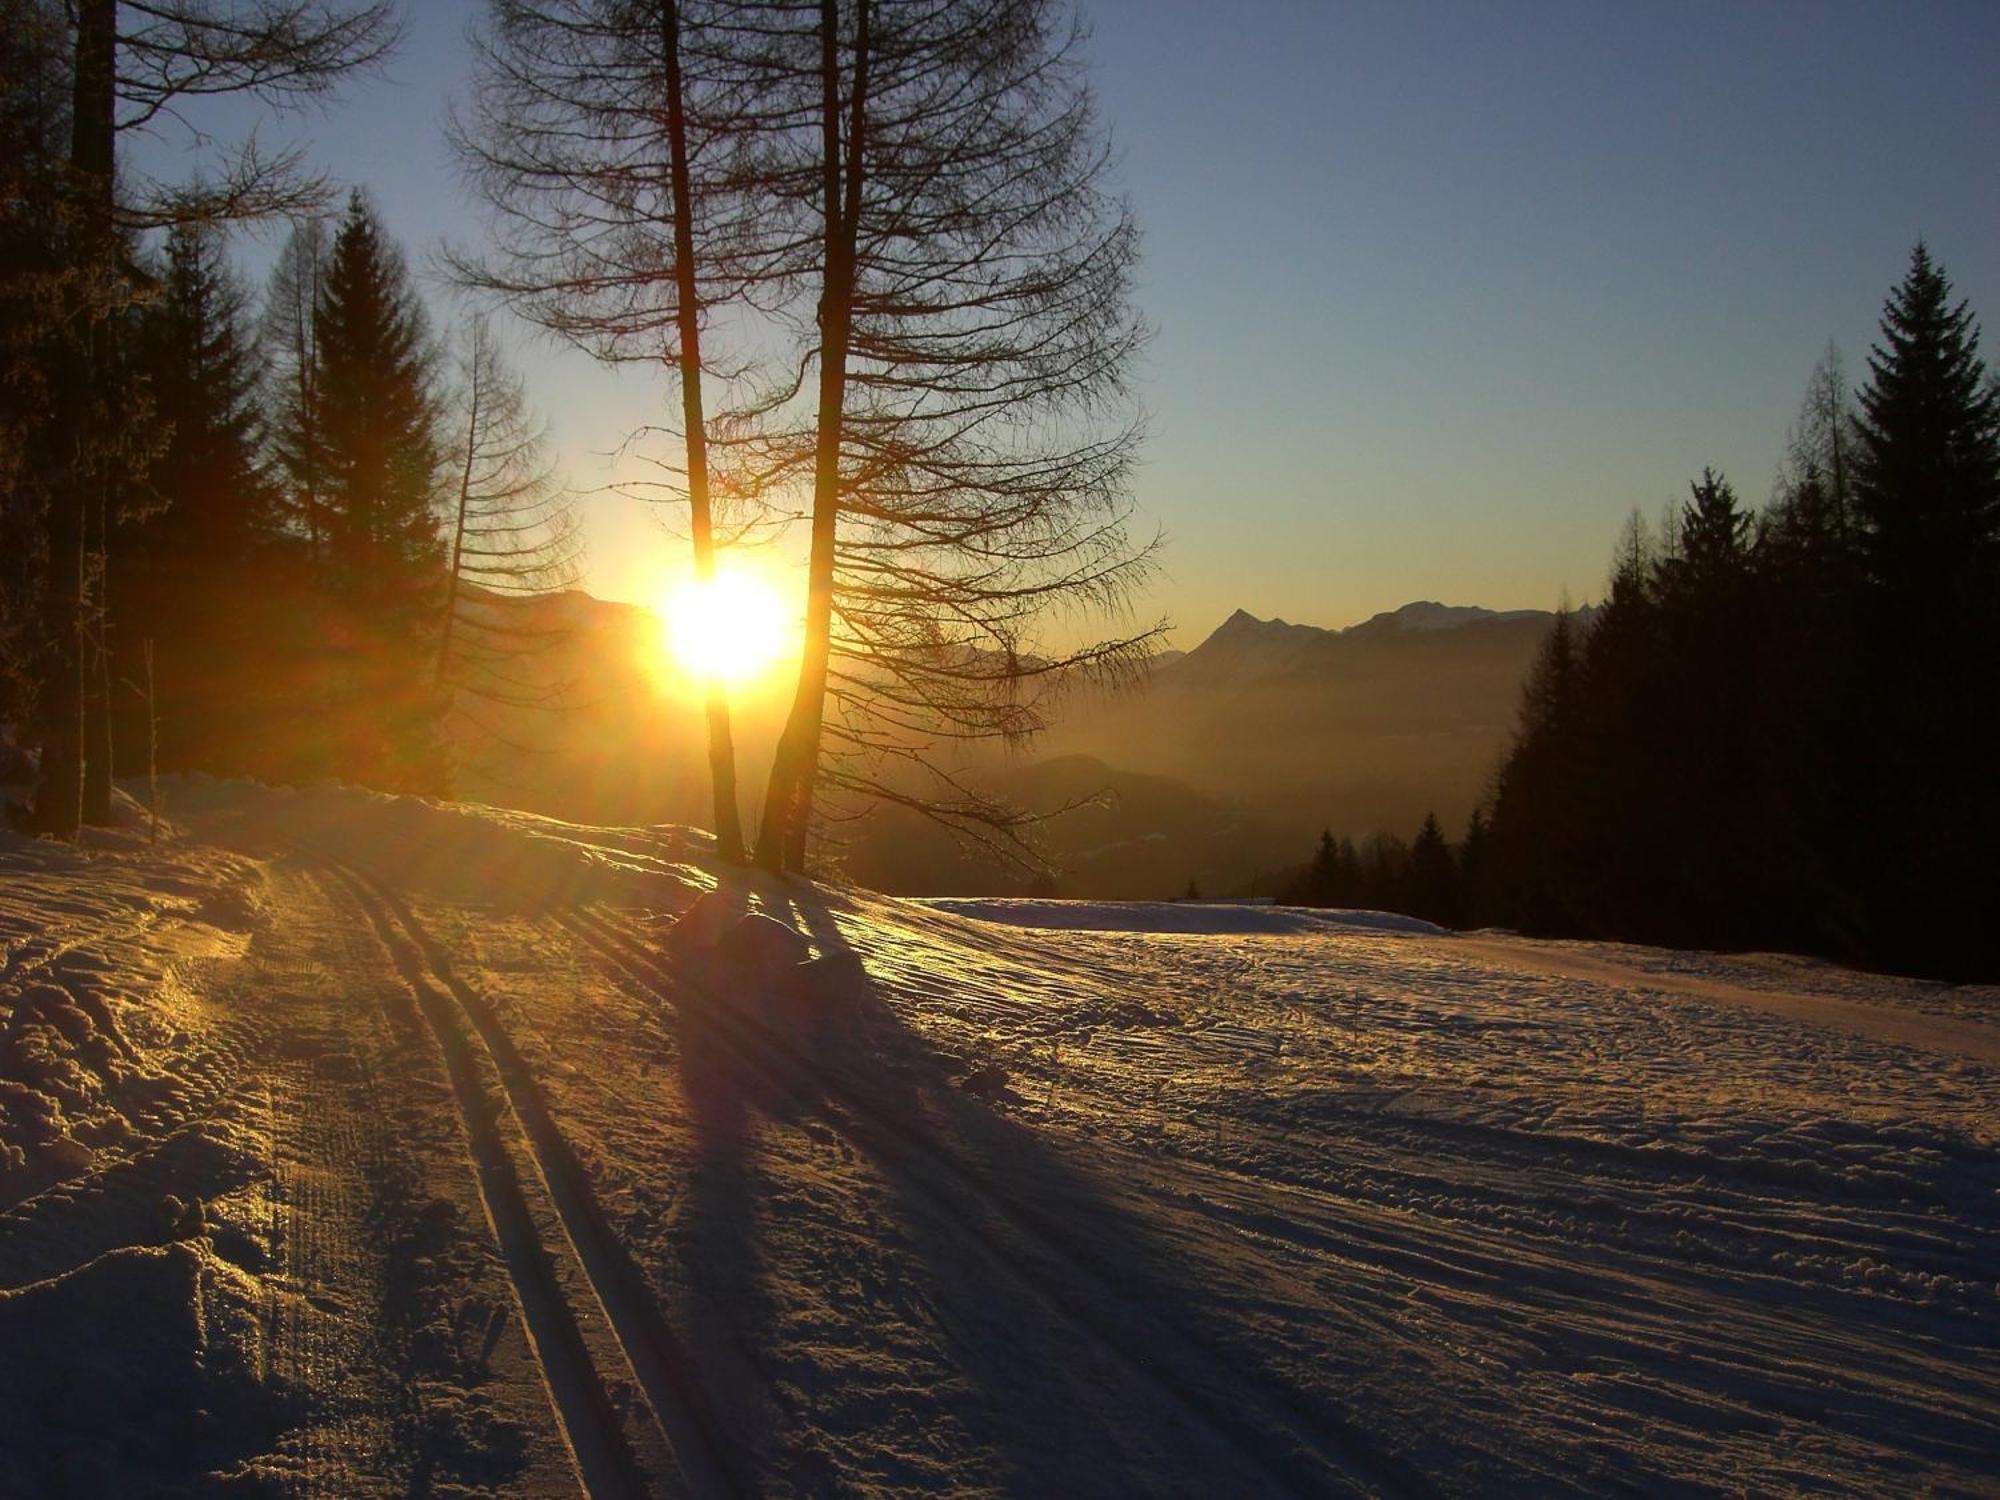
x=729, y=629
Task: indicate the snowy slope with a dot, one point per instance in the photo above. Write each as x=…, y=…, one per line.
x=511, y=1176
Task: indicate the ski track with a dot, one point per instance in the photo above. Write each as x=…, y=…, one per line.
x=594, y=1257
x=1206, y=1202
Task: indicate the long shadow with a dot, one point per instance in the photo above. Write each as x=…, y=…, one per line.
x=1101, y=1365
x=729, y=1313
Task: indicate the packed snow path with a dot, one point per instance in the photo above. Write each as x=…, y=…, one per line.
x=353, y=1145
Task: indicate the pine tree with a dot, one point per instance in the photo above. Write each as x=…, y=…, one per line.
x=1928, y=482
x=376, y=417
x=217, y=501
x=1928, y=506
x=1474, y=859
x=197, y=565
x=1433, y=875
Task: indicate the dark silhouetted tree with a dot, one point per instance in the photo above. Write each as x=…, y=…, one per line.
x=290, y=346
x=513, y=538
x=960, y=413
x=626, y=153
x=1927, y=501
x=385, y=563
x=200, y=564
x=131, y=68
x=1434, y=885
x=1928, y=475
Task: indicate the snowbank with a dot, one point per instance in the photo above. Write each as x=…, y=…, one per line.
x=461, y=851
x=89, y=939
x=1173, y=916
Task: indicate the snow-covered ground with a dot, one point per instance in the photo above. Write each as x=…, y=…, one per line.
x=355, y=1145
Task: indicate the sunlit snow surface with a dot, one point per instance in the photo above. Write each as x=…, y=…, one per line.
x=1081, y=1198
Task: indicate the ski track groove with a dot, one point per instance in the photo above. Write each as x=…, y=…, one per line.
x=605, y=1462
x=879, y=1136
x=661, y=1368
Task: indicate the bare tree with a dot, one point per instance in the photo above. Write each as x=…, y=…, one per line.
x=135, y=67
x=611, y=148
x=969, y=435
x=290, y=346
x=514, y=538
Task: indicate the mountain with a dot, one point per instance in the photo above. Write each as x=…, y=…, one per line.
x=590, y=728
x=1360, y=729
x=1138, y=837
x=1222, y=768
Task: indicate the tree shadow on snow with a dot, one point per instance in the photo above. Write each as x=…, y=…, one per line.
x=1093, y=1363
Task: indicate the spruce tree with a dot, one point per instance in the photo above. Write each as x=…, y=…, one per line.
x=1928, y=506
x=1433, y=875
x=1474, y=857
x=384, y=568
x=1928, y=481
x=197, y=564
x=1538, y=807
x=217, y=502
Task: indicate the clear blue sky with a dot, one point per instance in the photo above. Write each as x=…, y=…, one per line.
x=1442, y=291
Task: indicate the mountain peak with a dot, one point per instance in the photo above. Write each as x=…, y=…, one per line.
x=1244, y=642
x=1244, y=625
x=1429, y=614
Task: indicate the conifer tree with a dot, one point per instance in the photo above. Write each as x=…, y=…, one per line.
x=1537, y=815
x=377, y=411
x=132, y=66
x=1323, y=876
x=198, y=565
x=1474, y=858
x=965, y=336
x=1927, y=499
x=1433, y=875
x=1928, y=482
x=513, y=538
x=217, y=502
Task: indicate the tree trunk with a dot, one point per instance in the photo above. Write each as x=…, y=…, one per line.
x=59, y=799
x=97, y=702
x=464, y=502
x=701, y=521
x=781, y=839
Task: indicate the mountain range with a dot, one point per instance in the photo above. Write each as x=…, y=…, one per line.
x=1220, y=769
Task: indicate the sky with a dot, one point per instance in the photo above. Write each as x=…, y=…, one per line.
x=1440, y=293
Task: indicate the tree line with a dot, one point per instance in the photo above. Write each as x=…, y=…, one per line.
x=1778, y=729
x=869, y=243
x=1426, y=876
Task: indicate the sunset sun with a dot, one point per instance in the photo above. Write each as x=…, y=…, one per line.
x=730, y=629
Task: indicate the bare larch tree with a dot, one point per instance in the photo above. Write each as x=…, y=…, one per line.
x=514, y=537
x=609, y=138
x=969, y=433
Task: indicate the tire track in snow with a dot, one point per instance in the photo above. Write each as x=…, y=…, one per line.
x=464, y=1020
x=1164, y=1361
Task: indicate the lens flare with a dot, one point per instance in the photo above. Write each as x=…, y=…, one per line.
x=730, y=629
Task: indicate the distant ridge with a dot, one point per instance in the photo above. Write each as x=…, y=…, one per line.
x=1428, y=614
x=1304, y=726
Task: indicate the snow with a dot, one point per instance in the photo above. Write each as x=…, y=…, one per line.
x=416, y=1144
x=1171, y=916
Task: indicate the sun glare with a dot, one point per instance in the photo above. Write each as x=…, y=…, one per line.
x=731, y=628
